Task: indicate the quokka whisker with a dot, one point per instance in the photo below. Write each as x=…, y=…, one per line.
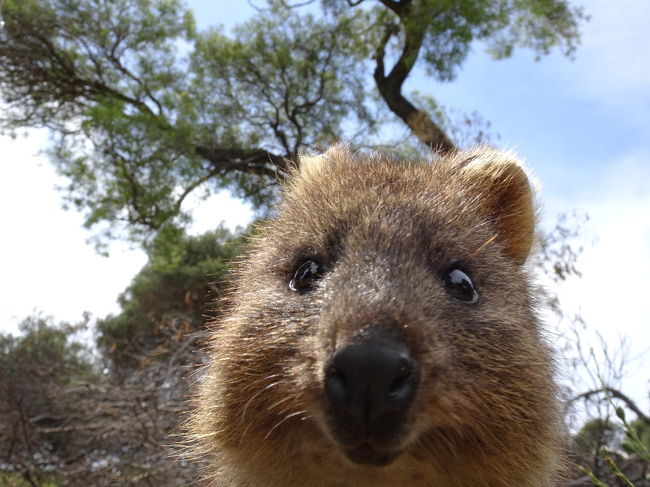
x=283, y=420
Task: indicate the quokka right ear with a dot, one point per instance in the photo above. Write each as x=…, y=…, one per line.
x=506, y=199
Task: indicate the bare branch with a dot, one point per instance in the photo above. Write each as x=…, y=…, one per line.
x=297, y=5
x=249, y=161
x=615, y=393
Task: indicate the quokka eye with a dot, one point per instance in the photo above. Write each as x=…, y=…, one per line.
x=303, y=279
x=460, y=286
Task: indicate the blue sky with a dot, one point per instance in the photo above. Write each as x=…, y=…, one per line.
x=583, y=127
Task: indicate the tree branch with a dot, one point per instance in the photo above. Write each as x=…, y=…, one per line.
x=396, y=6
x=298, y=5
x=615, y=393
x=191, y=187
x=390, y=87
x=124, y=70
x=249, y=161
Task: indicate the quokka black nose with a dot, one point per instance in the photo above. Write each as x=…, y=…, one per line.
x=367, y=380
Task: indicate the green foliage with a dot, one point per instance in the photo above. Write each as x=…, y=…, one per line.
x=449, y=28
x=108, y=80
x=45, y=357
x=145, y=110
x=638, y=439
x=171, y=295
x=115, y=45
x=51, y=346
x=602, y=440
x=597, y=433
x=637, y=436
x=35, y=368
x=296, y=78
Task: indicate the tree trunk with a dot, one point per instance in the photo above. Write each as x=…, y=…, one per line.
x=390, y=86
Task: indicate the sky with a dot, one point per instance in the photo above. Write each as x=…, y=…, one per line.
x=582, y=126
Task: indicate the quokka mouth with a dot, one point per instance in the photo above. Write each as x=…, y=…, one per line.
x=366, y=454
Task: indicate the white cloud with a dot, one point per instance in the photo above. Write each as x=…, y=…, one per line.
x=46, y=264
x=220, y=207
x=612, y=66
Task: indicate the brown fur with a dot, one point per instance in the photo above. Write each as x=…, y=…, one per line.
x=485, y=412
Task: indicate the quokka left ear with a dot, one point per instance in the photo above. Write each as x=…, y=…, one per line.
x=506, y=199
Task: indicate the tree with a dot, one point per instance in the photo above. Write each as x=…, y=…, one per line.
x=441, y=34
x=65, y=421
x=71, y=416
x=169, y=298
x=144, y=110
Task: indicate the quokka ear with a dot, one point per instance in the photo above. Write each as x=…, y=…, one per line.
x=506, y=199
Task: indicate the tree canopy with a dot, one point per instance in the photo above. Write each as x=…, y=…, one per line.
x=170, y=296
x=145, y=110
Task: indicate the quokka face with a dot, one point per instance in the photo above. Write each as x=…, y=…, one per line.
x=381, y=331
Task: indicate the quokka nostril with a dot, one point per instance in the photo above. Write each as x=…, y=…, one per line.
x=403, y=384
x=397, y=384
x=338, y=375
x=336, y=384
